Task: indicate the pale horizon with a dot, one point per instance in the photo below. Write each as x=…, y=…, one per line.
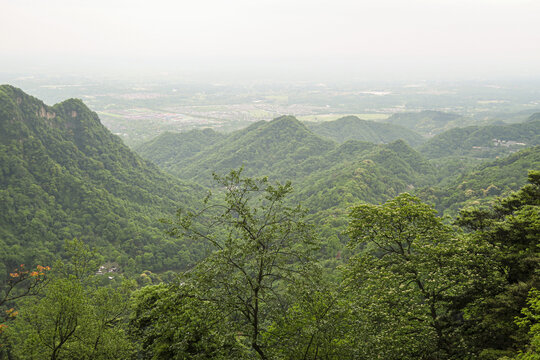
x=364, y=40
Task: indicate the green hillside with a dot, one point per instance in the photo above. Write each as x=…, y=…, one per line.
x=173, y=150
x=427, y=122
x=364, y=173
x=353, y=128
x=483, y=141
x=271, y=148
x=328, y=177
x=482, y=184
x=64, y=175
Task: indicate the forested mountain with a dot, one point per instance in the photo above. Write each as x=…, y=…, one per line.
x=427, y=122
x=274, y=148
x=173, y=150
x=363, y=173
x=365, y=272
x=484, y=141
x=353, y=128
x=284, y=149
x=64, y=175
x=484, y=183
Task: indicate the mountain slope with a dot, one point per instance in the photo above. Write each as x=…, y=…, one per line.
x=483, y=141
x=482, y=184
x=353, y=128
x=271, y=148
x=373, y=174
x=173, y=150
x=64, y=175
x=427, y=122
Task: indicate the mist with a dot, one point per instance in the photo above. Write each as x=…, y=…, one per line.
x=274, y=39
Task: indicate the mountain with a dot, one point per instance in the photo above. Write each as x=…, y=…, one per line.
x=173, y=150
x=485, y=182
x=353, y=128
x=64, y=175
x=484, y=141
x=370, y=173
x=273, y=148
x=328, y=178
x=428, y=122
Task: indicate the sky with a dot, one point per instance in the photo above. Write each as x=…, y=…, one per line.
x=382, y=39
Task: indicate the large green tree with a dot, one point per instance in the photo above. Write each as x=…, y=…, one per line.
x=512, y=228
x=406, y=281
x=260, y=246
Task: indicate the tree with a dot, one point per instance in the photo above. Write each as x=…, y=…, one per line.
x=530, y=320
x=169, y=322
x=21, y=284
x=408, y=278
x=75, y=318
x=261, y=246
x=512, y=229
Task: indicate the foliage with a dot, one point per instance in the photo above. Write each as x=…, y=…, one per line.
x=172, y=322
x=262, y=246
x=512, y=227
x=75, y=318
x=64, y=175
x=530, y=319
x=481, y=185
x=483, y=141
x=353, y=128
x=173, y=150
x=406, y=282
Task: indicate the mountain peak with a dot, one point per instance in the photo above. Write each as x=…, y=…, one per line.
x=286, y=120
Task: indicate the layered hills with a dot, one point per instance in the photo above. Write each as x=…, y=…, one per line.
x=64, y=175
x=484, y=141
x=427, y=122
x=482, y=184
x=353, y=128
x=328, y=176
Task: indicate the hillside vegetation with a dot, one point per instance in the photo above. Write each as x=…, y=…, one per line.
x=63, y=175
x=353, y=128
x=427, y=122
x=330, y=256
x=484, y=141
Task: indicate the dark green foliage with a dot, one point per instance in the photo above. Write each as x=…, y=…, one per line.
x=171, y=322
x=353, y=128
x=407, y=282
x=64, y=175
x=512, y=227
x=483, y=183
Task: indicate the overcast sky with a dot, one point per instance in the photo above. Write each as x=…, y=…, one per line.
x=384, y=39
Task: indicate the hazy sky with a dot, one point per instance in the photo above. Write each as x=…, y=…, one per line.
x=373, y=39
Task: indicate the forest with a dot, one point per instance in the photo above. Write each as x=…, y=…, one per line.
x=347, y=239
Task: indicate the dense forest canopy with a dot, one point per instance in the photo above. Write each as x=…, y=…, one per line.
x=283, y=240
